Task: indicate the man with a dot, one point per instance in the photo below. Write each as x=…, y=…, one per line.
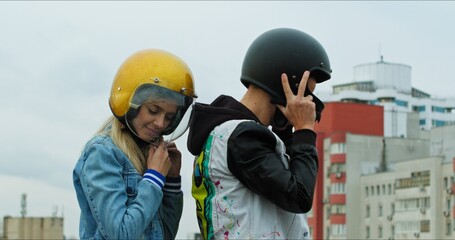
x=247, y=183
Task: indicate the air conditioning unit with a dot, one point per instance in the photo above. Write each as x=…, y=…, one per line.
x=446, y=213
x=390, y=217
x=422, y=188
x=417, y=235
x=325, y=200
x=449, y=190
x=422, y=210
x=338, y=175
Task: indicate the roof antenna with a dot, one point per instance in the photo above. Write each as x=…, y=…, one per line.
x=23, y=205
x=380, y=54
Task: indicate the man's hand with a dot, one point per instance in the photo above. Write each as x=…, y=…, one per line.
x=300, y=110
x=176, y=160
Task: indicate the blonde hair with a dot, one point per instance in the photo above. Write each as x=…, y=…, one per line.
x=122, y=138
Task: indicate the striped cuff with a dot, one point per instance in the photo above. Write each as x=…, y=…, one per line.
x=173, y=184
x=154, y=177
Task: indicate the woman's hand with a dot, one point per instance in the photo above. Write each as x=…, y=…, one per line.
x=158, y=159
x=176, y=160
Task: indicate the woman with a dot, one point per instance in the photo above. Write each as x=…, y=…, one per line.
x=127, y=178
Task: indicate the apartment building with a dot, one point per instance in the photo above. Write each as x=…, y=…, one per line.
x=386, y=152
x=413, y=200
x=389, y=85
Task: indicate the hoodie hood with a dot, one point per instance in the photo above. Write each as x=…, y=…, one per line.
x=206, y=117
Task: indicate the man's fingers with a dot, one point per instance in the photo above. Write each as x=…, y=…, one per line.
x=286, y=88
x=309, y=97
x=303, y=83
x=171, y=146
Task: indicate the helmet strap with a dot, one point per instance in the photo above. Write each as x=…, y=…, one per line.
x=279, y=122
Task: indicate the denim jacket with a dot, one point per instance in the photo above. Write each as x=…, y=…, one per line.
x=116, y=202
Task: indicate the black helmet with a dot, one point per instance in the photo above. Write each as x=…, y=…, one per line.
x=283, y=50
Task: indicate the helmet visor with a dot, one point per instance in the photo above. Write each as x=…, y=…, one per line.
x=157, y=113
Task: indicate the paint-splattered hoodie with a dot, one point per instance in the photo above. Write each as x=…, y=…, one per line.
x=244, y=183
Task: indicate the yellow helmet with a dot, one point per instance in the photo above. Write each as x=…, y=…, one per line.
x=148, y=73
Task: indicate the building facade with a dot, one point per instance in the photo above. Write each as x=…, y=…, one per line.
x=389, y=85
x=386, y=153
x=375, y=187
x=412, y=201
x=338, y=120
x=33, y=228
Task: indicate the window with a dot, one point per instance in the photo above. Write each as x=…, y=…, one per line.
x=366, y=191
x=413, y=204
x=386, y=99
x=448, y=228
x=367, y=232
x=407, y=227
x=438, y=109
x=338, y=188
x=380, y=210
x=367, y=211
x=338, y=229
x=378, y=190
x=437, y=123
x=383, y=189
x=425, y=226
x=389, y=189
x=401, y=103
x=337, y=148
x=417, y=179
x=337, y=167
x=425, y=202
x=372, y=191
x=418, y=108
x=380, y=232
x=338, y=209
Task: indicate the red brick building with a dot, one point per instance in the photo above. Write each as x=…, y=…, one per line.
x=338, y=119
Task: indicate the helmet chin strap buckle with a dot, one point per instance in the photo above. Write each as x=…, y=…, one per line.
x=280, y=122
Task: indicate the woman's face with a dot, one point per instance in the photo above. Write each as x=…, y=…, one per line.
x=153, y=118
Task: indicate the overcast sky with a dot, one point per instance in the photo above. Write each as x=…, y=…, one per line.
x=58, y=60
